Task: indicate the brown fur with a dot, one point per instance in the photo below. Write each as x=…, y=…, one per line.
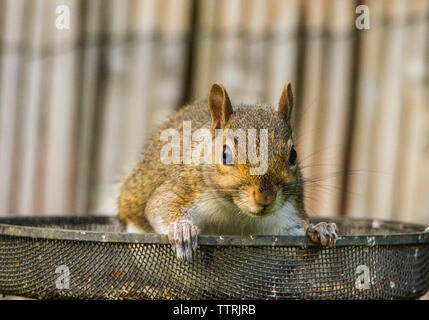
x=153, y=188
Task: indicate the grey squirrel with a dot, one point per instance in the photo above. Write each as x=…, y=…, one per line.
x=221, y=197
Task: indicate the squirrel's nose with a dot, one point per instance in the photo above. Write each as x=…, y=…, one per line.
x=264, y=198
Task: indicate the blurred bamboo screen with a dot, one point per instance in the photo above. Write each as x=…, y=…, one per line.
x=76, y=105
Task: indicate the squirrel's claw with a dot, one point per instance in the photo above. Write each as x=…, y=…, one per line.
x=323, y=232
x=183, y=239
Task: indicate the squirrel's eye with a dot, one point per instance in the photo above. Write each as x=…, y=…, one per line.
x=292, y=156
x=227, y=155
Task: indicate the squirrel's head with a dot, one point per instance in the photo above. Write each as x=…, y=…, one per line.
x=256, y=162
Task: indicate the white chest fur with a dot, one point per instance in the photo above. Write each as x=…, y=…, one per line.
x=218, y=216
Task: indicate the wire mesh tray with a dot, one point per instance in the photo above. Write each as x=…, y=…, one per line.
x=89, y=258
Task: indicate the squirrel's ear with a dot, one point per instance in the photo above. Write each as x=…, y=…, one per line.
x=220, y=106
x=286, y=101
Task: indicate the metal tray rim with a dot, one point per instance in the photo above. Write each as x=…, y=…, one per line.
x=212, y=240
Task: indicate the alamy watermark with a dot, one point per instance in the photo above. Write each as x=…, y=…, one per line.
x=63, y=280
x=63, y=17
x=62, y=21
x=363, y=279
x=362, y=22
x=197, y=147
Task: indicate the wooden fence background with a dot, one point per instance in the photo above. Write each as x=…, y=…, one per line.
x=76, y=105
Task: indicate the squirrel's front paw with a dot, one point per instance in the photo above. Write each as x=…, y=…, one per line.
x=323, y=232
x=183, y=238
